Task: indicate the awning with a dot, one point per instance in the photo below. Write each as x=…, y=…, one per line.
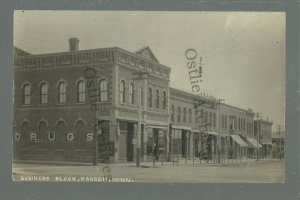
x=239, y=140
x=182, y=127
x=157, y=126
x=267, y=143
x=211, y=133
x=195, y=131
x=253, y=143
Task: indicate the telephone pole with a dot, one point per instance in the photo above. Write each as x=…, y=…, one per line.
x=258, y=115
x=219, y=136
x=140, y=76
x=279, y=140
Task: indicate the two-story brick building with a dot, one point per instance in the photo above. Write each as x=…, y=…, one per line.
x=83, y=105
x=263, y=133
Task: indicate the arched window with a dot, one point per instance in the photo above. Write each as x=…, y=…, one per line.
x=103, y=90
x=44, y=93
x=150, y=97
x=179, y=114
x=42, y=131
x=172, y=112
x=79, y=130
x=184, y=115
x=190, y=116
x=142, y=95
x=61, y=131
x=131, y=93
x=225, y=122
x=122, y=91
x=157, y=98
x=196, y=116
x=164, y=101
x=210, y=119
x=62, y=92
x=26, y=94
x=81, y=92
x=214, y=120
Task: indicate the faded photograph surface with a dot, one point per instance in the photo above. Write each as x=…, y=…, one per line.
x=136, y=96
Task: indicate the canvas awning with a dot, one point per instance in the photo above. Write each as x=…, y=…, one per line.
x=239, y=140
x=181, y=127
x=253, y=143
x=267, y=143
x=211, y=133
x=157, y=127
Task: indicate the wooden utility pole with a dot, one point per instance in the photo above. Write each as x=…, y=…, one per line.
x=257, y=134
x=219, y=135
x=139, y=77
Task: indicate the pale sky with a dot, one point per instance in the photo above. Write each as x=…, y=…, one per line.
x=243, y=53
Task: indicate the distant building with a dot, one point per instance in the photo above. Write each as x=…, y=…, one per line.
x=263, y=133
x=84, y=104
x=278, y=144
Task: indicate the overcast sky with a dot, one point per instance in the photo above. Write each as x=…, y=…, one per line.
x=243, y=53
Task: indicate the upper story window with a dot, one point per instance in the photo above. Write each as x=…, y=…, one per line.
x=142, y=95
x=184, y=115
x=131, y=93
x=214, y=120
x=122, y=91
x=190, y=116
x=62, y=92
x=225, y=122
x=196, y=116
x=179, y=114
x=157, y=99
x=172, y=112
x=44, y=93
x=103, y=90
x=81, y=92
x=26, y=94
x=210, y=119
x=150, y=97
x=164, y=101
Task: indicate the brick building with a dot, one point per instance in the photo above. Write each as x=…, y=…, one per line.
x=83, y=105
x=263, y=133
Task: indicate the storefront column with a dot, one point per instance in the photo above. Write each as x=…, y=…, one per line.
x=114, y=130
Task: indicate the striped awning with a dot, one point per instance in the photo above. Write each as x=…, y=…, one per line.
x=253, y=143
x=182, y=127
x=239, y=140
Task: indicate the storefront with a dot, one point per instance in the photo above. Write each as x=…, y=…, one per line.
x=180, y=141
x=238, y=147
x=253, y=147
